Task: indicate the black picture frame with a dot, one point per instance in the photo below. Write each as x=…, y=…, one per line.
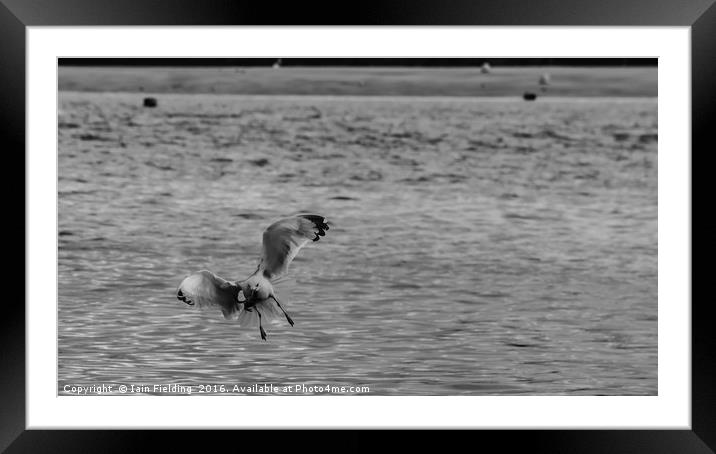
x=16, y=15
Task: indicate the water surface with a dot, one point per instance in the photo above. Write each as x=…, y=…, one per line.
x=476, y=247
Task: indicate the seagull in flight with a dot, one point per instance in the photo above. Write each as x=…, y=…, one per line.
x=281, y=242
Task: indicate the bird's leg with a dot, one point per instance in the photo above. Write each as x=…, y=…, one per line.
x=288, y=318
x=261, y=328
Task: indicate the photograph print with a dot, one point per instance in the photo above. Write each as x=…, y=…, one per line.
x=357, y=226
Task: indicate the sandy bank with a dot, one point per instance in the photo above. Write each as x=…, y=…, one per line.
x=505, y=81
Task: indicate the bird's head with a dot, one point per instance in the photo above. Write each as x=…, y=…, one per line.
x=253, y=289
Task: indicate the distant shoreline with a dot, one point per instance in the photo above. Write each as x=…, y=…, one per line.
x=380, y=98
x=585, y=82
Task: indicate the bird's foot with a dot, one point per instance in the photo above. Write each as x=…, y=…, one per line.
x=263, y=333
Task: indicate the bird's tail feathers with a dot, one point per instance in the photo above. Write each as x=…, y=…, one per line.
x=270, y=314
x=231, y=313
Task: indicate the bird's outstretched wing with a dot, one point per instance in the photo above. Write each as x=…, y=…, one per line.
x=284, y=238
x=205, y=289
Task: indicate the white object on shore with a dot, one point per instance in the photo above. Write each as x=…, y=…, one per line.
x=544, y=79
x=281, y=242
x=486, y=68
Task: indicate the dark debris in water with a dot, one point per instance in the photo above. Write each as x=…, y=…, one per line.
x=96, y=137
x=248, y=216
x=518, y=344
x=261, y=162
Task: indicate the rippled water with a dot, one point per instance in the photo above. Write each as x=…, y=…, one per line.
x=477, y=246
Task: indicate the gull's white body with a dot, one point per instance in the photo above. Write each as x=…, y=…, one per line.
x=281, y=242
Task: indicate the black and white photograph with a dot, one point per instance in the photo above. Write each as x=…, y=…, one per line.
x=357, y=226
